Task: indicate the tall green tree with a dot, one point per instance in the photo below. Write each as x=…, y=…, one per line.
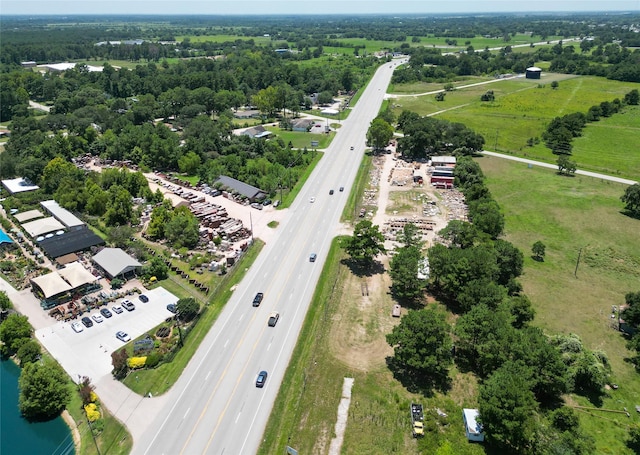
x=379, y=134
x=404, y=274
x=182, y=230
x=14, y=332
x=45, y=390
x=508, y=408
x=422, y=345
x=365, y=244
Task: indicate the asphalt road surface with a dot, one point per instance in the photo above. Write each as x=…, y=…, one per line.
x=215, y=407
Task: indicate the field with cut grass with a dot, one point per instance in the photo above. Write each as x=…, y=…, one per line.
x=572, y=216
x=523, y=108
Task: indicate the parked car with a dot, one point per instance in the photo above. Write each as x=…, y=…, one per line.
x=77, y=327
x=87, y=322
x=123, y=336
x=256, y=205
x=312, y=257
x=106, y=313
x=266, y=202
x=262, y=378
x=128, y=305
x=97, y=318
x=143, y=298
x=116, y=309
x=258, y=299
x=172, y=308
x=273, y=319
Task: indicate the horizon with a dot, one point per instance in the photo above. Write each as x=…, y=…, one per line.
x=40, y=8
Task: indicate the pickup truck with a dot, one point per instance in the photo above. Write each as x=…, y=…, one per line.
x=417, y=417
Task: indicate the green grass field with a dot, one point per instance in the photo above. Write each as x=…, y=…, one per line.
x=523, y=108
x=569, y=215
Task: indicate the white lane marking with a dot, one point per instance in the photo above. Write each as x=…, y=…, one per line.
x=185, y=414
x=226, y=343
x=207, y=376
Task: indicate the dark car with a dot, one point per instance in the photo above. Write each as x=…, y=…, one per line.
x=341, y=189
x=273, y=319
x=312, y=257
x=143, y=298
x=330, y=192
x=128, y=305
x=262, y=378
x=266, y=202
x=258, y=299
x=172, y=308
x=87, y=322
x=106, y=313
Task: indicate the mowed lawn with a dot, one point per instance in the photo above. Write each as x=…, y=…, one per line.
x=523, y=108
x=576, y=216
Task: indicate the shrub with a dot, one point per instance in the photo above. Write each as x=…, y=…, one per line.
x=153, y=360
x=136, y=362
x=163, y=332
x=93, y=413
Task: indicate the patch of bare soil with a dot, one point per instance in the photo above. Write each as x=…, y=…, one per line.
x=363, y=319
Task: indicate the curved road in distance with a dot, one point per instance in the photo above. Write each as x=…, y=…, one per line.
x=553, y=166
x=215, y=406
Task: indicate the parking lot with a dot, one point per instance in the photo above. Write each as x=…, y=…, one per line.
x=88, y=353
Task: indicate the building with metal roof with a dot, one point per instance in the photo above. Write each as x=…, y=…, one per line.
x=67, y=218
x=19, y=185
x=69, y=242
x=115, y=262
x=250, y=192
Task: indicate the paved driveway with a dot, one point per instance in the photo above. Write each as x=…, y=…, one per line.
x=88, y=353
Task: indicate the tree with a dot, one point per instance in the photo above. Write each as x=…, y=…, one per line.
x=631, y=198
x=85, y=389
x=555, y=85
x=632, y=98
x=119, y=207
x=404, y=274
x=187, y=309
x=508, y=408
x=422, y=345
x=631, y=314
x=486, y=216
x=5, y=303
x=538, y=250
x=510, y=261
x=521, y=310
x=29, y=352
x=44, y=390
x=565, y=165
x=365, y=244
x=410, y=236
x=120, y=236
x=14, y=332
x=379, y=134
x=183, y=229
x=189, y=163
x=119, y=361
x=157, y=268
x=461, y=233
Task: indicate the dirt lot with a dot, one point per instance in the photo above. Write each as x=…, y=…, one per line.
x=364, y=318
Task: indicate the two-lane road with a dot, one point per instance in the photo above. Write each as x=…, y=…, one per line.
x=215, y=407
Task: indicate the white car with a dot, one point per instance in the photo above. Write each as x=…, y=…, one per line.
x=77, y=327
x=97, y=318
x=123, y=336
x=312, y=200
x=116, y=309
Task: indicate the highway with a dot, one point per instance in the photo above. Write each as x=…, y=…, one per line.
x=215, y=406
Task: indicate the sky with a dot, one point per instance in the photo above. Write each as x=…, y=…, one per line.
x=256, y=7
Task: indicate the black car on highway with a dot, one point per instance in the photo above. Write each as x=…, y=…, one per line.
x=258, y=299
